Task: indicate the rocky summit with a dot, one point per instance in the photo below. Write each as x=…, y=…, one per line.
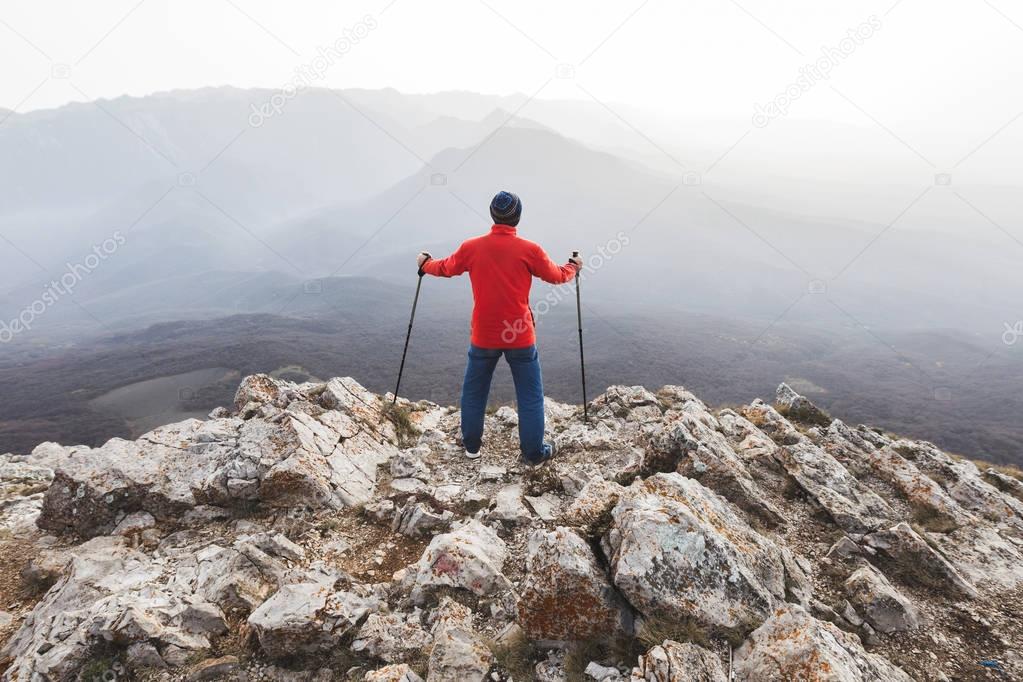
x=314, y=532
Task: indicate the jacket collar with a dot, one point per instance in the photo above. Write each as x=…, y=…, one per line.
x=503, y=229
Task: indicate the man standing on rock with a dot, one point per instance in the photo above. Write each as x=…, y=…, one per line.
x=501, y=267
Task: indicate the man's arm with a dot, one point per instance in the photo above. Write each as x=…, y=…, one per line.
x=543, y=267
x=452, y=266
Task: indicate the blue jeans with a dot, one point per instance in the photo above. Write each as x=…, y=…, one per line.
x=525, y=368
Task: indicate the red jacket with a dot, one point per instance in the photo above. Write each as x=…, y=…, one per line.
x=501, y=266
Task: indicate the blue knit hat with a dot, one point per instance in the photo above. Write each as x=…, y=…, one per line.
x=506, y=209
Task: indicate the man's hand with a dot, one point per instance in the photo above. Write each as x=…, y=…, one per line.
x=576, y=260
x=422, y=258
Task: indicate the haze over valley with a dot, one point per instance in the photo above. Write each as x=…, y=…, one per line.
x=198, y=253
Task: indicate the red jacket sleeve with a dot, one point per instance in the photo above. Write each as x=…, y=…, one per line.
x=541, y=265
x=452, y=266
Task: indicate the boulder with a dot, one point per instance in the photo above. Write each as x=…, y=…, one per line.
x=793, y=645
x=391, y=637
x=470, y=558
x=844, y=557
x=94, y=487
x=458, y=653
x=566, y=594
x=679, y=552
x=879, y=602
x=296, y=445
x=679, y=662
x=109, y=593
x=418, y=519
x=509, y=507
x=1007, y=484
x=916, y=561
x=963, y=482
x=411, y=464
x=933, y=506
x=308, y=618
x=798, y=408
x=591, y=508
x=703, y=453
x=854, y=507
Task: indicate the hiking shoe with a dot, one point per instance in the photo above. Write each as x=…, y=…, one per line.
x=548, y=455
x=472, y=455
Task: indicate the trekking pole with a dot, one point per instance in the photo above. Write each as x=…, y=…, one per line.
x=408, y=335
x=582, y=358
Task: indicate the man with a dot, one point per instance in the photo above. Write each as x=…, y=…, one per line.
x=501, y=267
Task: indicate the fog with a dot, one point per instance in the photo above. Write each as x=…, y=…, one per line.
x=788, y=167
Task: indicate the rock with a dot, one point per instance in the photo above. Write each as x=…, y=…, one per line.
x=410, y=464
x=509, y=507
x=277, y=544
x=392, y=673
x=507, y=415
x=602, y=673
x=320, y=447
x=986, y=556
x=545, y=506
x=447, y=494
x=799, y=408
x=203, y=514
x=934, y=508
x=753, y=446
x=621, y=400
x=854, y=507
x=844, y=557
x=882, y=605
x=679, y=552
x=1007, y=484
x=551, y=669
x=679, y=662
x=793, y=645
x=469, y=557
x=798, y=585
x=492, y=472
x=458, y=653
x=215, y=669
x=391, y=637
x=703, y=453
x=260, y=389
x=108, y=593
x=203, y=618
x=141, y=655
x=21, y=479
x=307, y=618
x=406, y=487
x=566, y=595
x=963, y=482
x=417, y=519
x=93, y=486
x=380, y=509
x=591, y=509
x=916, y=561
x=236, y=579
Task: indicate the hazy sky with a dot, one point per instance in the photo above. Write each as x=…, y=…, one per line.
x=946, y=64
